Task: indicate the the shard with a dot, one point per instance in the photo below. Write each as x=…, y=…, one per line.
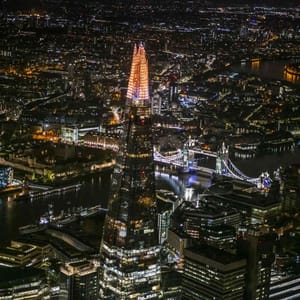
x=130, y=251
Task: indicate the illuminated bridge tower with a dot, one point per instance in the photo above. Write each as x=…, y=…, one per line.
x=222, y=159
x=130, y=251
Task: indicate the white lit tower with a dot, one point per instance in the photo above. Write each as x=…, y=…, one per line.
x=130, y=251
x=222, y=159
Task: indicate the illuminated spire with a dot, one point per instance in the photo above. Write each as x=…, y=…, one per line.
x=138, y=85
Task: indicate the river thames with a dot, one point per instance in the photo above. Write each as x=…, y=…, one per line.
x=269, y=70
x=95, y=191
x=13, y=214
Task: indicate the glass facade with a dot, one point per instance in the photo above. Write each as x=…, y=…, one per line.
x=130, y=251
x=210, y=273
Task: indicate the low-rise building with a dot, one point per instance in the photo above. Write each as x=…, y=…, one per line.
x=23, y=283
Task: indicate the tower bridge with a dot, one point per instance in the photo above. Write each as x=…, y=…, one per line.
x=184, y=159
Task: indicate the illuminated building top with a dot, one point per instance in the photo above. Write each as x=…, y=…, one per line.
x=138, y=85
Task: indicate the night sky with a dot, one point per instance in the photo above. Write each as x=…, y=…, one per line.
x=40, y=4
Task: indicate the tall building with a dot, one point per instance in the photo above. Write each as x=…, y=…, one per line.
x=173, y=92
x=130, y=251
x=257, y=247
x=291, y=189
x=79, y=280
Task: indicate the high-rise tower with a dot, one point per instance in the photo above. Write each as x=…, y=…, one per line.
x=130, y=251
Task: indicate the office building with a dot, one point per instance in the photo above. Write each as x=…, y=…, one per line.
x=171, y=285
x=23, y=254
x=79, y=280
x=23, y=283
x=200, y=220
x=257, y=246
x=287, y=288
x=166, y=201
x=257, y=206
x=73, y=134
x=291, y=188
x=210, y=273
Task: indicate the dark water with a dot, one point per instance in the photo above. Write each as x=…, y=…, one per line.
x=267, y=70
x=95, y=191
x=267, y=162
x=14, y=214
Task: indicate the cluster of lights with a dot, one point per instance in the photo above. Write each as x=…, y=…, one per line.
x=138, y=89
x=133, y=252
x=102, y=145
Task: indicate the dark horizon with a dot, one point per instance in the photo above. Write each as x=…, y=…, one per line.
x=44, y=4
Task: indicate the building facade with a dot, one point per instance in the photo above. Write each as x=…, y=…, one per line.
x=130, y=251
x=210, y=273
x=23, y=283
x=6, y=176
x=257, y=247
x=79, y=280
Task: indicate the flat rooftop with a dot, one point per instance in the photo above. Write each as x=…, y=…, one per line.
x=10, y=277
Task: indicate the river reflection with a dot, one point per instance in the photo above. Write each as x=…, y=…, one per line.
x=93, y=191
x=267, y=70
x=267, y=162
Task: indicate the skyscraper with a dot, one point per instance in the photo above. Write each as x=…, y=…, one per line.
x=130, y=251
x=257, y=246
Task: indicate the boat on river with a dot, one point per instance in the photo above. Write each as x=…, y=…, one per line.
x=91, y=211
x=31, y=228
x=65, y=220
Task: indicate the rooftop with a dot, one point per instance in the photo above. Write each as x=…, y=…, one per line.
x=16, y=276
x=213, y=256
